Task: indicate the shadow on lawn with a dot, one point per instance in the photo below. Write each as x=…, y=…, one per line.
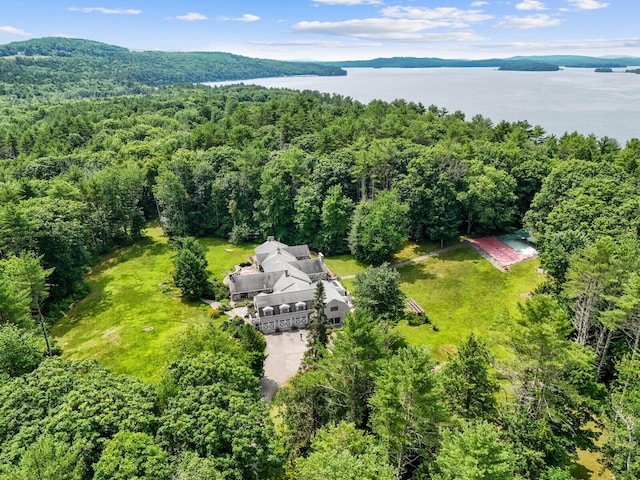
x=416, y=272
x=580, y=471
x=463, y=254
x=96, y=302
x=99, y=299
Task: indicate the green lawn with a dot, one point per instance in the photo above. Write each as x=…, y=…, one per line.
x=463, y=293
x=131, y=315
x=343, y=265
x=412, y=250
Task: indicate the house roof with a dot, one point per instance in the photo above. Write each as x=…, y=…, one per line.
x=331, y=292
x=255, y=282
x=266, y=299
x=310, y=266
x=290, y=282
x=269, y=246
x=299, y=251
x=278, y=260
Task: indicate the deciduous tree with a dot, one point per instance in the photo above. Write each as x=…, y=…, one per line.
x=378, y=228
x=377, y=291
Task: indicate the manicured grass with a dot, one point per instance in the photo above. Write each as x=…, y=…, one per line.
x=343, y=265
x=412, y=250
x=131, y=315
x=224, y=256
x=463, y=293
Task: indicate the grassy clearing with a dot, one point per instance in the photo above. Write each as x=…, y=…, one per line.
x=343, y=265
x=463, y=293
x=131, y=316
x=413, y=250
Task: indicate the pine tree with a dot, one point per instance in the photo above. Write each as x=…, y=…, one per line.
x=190, y=270
x=470, y=387
x=317, y=336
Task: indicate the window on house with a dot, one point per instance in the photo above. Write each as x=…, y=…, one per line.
x=334, y=309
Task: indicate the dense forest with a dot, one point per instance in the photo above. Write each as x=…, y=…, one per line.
x=79, y=179
x=69, y=68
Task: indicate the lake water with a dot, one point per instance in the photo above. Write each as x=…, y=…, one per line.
x=572, y=99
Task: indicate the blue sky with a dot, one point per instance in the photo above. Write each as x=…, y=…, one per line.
x=337, y=29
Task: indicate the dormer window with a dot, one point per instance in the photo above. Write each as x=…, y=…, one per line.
x=301, y=306
x=267, y=311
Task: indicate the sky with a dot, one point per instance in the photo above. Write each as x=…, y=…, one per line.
x=329, y=30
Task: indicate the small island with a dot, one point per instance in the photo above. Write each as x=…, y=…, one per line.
x=603, y=70
x=635, y=70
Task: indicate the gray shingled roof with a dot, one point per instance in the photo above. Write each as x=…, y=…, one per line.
x=309, y=266
x=269, y=246
x=291, y=282
x=299, y=251
x=331, y=293
x=278, y=260
x=266, y=299
x=254, y=282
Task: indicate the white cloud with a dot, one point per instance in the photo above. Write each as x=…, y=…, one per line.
x=403, y=24
x=314, y=43
x=587, y=4
x=349, y=2
x=9, y=30
x=479, y=4
x=532, y=21
x=606, y=45
x=386, y=29
x=106, y=11
x=247, y=17
x=531, y=5
x=447, y=14
x=192, y=17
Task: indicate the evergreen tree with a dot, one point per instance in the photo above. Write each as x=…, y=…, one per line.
x=317, y=337
x=27, y=272
x=190, y=270
x=476, y=453
x=469, y=386
x=405, y=410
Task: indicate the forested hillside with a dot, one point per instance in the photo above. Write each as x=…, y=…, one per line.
x=572, y=61
x=79, y=179
x=72, y=68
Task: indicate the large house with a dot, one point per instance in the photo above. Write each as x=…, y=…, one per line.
x=281, y=282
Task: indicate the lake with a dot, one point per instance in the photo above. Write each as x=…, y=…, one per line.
x=572, y=99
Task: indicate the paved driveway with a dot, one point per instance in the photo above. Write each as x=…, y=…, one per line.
x=284, y=355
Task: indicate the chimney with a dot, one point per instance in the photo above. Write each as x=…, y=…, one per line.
x=270, y=238
x=321, y=257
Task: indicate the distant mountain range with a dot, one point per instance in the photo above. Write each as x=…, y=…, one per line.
x=545, y=62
